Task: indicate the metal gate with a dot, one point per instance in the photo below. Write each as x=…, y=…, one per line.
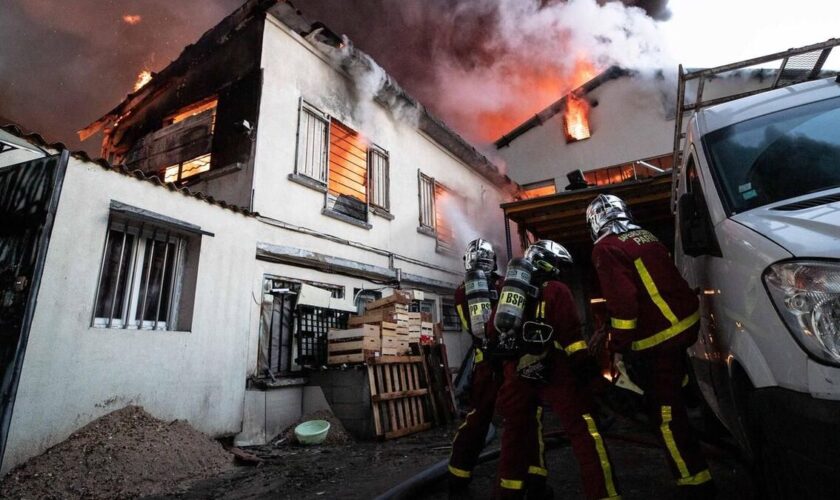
x=29, y=195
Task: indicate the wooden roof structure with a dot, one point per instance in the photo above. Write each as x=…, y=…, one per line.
x=562, y=216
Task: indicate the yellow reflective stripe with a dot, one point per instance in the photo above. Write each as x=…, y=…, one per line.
x=479, y=356
x=699, y=478
x=540, y=440
x=575, y=347
x=666, y=334
x=623, y=324
x=671, y=444
x=459, y=472
x=541, y=310
x=684, y=381
x=537, y=471
x=511, y=484
x=464, y=325
x=606, y=467
x=654, y=292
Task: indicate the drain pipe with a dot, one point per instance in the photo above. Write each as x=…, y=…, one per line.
x=438, y=471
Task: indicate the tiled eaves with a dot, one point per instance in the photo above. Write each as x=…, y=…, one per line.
x=38, y=140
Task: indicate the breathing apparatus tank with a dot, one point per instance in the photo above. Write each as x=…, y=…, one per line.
x=477, y=291
x=512, y=300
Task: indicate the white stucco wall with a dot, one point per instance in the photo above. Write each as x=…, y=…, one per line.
x=74, y=373
x=633, y=120
x=294, y=69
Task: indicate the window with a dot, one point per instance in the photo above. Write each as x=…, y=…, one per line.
x=363, y=297
x=537, y=189
x=449, y=313
x=438, y=204
x=448, y=205
x=141, y=277
x=337, y=160
x=427, y=202
x=617, y=174
x=379, y=179
x=336, y=291
x=347, y=177
x=312, y=144
x=200, y=117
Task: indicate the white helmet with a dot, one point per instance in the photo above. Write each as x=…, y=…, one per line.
x=548, y=255
x=480, y=255
x=608, y=214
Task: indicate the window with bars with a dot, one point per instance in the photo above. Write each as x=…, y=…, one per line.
x=347, y=178
x=379, y=179
x=313, y=141
x=449, y=314
x=426, y=187
x=140, y=277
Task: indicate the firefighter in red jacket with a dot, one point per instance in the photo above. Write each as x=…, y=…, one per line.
x=654, y=318
x=480, y=264
x=549, y=354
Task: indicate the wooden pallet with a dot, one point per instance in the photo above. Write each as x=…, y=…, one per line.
x=399, y=395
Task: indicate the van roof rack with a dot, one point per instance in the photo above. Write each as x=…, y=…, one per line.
x=797, y=65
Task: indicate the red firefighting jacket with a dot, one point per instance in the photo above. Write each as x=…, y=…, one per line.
x=648, y=301
x=555, y=306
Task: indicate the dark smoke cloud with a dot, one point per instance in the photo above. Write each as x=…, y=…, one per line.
x=65, y=63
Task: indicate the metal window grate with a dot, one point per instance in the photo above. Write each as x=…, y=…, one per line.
x=313, y=323
x=312, y=147
x=427, y=201
x=379, y=179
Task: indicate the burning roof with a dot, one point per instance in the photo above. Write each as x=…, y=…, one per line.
x=131, y=109
x=573, y=101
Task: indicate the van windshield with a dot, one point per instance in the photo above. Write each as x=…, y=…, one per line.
x=777, y=156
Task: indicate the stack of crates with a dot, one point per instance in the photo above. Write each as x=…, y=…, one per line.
x=390, y=319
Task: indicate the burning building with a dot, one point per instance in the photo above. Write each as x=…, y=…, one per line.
x=264, y=184
x=613, y=134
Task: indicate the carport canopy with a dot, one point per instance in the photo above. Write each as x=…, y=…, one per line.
x=562, y=216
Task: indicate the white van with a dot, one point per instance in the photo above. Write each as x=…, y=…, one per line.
x=758, y=235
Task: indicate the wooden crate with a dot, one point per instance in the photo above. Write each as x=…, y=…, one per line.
x=399, y=395
x=398, y=297
x=393, y=345
x=355, y=345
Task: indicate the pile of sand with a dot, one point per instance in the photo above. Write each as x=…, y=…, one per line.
x=126, y=453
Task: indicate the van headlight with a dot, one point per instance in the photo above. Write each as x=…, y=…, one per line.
x=807, y=295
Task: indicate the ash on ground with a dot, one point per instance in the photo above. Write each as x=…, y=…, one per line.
x=127, y=453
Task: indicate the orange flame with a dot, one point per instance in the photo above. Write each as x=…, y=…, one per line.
x=143, y=78
x=536, y=88
x=132, y=19
x=576, y=118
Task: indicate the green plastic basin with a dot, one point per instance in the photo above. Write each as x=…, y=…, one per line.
x=312, y=432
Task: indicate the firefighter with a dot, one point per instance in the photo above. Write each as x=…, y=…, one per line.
x=654, y=318
x=544, y=370
x=480, y=258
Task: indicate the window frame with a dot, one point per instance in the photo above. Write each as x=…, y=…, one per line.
x=423, y=227
x=372, y=152
x=324, y=118
x=130, y=315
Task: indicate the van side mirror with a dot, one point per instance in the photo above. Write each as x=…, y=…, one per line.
x=696, y=232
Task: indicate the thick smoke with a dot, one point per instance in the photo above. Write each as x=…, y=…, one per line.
x=481, y=65
x=485, y=66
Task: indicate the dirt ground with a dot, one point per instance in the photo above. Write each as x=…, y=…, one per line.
x=365, y=469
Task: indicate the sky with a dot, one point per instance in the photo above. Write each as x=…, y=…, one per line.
x=64, y=63
x=704, y=33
